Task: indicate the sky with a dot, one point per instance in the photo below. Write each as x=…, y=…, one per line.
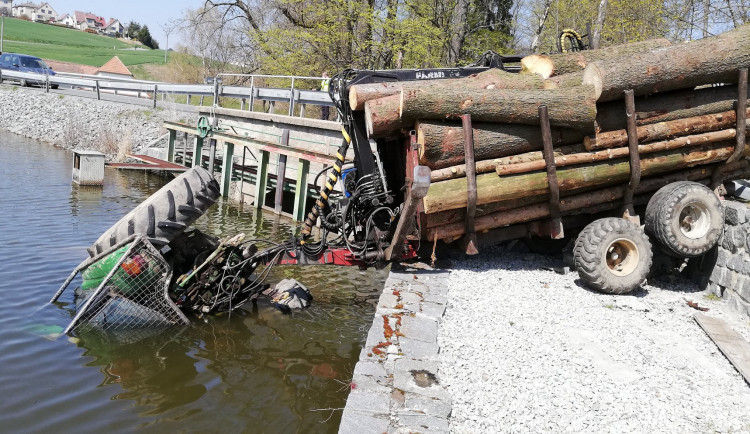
x=153, y=13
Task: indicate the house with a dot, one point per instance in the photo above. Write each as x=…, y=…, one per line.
x=114, y=28
x=67, y=20
x=6, y=8
x=114, y=68
x=44, y=13
x=23, y=10
x=87, y=20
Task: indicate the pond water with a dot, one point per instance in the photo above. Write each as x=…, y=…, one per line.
x=256, y=370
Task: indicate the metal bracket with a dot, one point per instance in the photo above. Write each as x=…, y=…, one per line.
x=419, y=187
x=555, y=224
x=469, y=240
x=628, y=212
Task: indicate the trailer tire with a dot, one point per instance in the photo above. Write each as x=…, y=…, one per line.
x=687, y=219
x=613, y=255
x=166, y=213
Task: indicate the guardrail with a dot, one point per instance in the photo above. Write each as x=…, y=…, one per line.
x=247, y=95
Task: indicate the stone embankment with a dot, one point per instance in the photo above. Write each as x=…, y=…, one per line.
x=73, y=122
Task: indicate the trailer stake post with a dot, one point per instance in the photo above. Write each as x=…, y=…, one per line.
x=635, y=159
x=555, y=225
x=469, y=241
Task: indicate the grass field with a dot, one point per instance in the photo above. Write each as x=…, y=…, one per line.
x=69, y=45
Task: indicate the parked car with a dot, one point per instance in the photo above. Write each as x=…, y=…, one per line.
x=26, y=63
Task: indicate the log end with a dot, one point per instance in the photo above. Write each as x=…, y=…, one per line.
x=368, y=119
x=589, y=143
x=592, y=75
x=356, y=105
x=538, y=64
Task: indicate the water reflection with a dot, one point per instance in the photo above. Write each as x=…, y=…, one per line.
x=255, y=370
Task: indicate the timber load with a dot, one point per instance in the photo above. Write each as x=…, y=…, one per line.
x=603, y=132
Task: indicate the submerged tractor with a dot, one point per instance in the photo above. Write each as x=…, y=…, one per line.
x=147, y=269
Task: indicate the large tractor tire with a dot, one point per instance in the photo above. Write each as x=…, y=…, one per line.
x=613, y=255
x=166, y=213
x=686, y=218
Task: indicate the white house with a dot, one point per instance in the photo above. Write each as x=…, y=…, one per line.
x=24, y=10
x=6, y=8
x=67, y=20
x=114, y=28
x=44, y=13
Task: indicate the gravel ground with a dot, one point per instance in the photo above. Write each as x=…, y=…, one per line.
x=529, y=350
x=80, y=123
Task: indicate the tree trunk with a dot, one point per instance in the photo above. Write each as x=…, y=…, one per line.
x=663, y=130
x=599, y=24
x=485, y=166
x=667, y=106
x=491, y=79
x=711, y=60
x=441, y=144
x=609, y=154
x=568, y=107
x=453, y=225
x=382, y=116
x=576, y=61
x=540, y=28
x=492, y=188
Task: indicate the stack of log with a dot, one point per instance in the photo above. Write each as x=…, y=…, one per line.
x=686, y=99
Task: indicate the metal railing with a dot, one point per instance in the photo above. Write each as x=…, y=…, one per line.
x=214, y=89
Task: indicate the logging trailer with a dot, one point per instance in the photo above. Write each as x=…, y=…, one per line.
x=377, y=215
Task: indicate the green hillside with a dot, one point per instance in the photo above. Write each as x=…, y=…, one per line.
x=69, y=45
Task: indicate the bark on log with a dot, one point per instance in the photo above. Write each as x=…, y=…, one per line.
x=441, y=144
x=573, y=107
x=492, y=188
x=709, y=60
x=382, y=117
x=486, y=166
x=609, y=154
x=663, y=130
x=581, y=203
x=576, y=61
x=668, y=106
x=493, y=78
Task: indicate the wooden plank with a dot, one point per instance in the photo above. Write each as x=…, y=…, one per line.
x=226, y=168
x=170, y=145
x=300, y=195
x=262, y=180
x=197, y=151
x=730, y=343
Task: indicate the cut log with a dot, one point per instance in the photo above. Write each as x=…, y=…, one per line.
x=667, y=106
x=663, y=130
x=710, y=60
x=441, y=144
x=382, y=117
x=451, y=194
x=576, y=61
x=491, y=79
x=609, y=154
x=538, y=64
x=486, y=166
x=573, y=107
x=581, y=203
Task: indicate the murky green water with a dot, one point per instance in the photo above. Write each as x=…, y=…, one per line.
x=254, y=371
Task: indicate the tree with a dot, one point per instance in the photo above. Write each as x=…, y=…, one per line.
x=144, y=37
x=132, y=30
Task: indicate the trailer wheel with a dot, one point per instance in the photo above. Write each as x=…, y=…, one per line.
x=613, y=255
x=687, y=219
x=166, y=213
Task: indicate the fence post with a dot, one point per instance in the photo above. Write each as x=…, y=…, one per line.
x=46, y=83
x=300, y=196
x=156, y=90
x=216, y=92
x=197, y=151
x=281, y=173
x=188, y=99
x=252, y=92
x=98, y=96
x=242, y=104
x=262, y=179
x=170, y=145
x=226, y=168
x=291, y=99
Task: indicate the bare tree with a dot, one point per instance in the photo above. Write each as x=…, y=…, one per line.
x=540, y=28
x=599, y=25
